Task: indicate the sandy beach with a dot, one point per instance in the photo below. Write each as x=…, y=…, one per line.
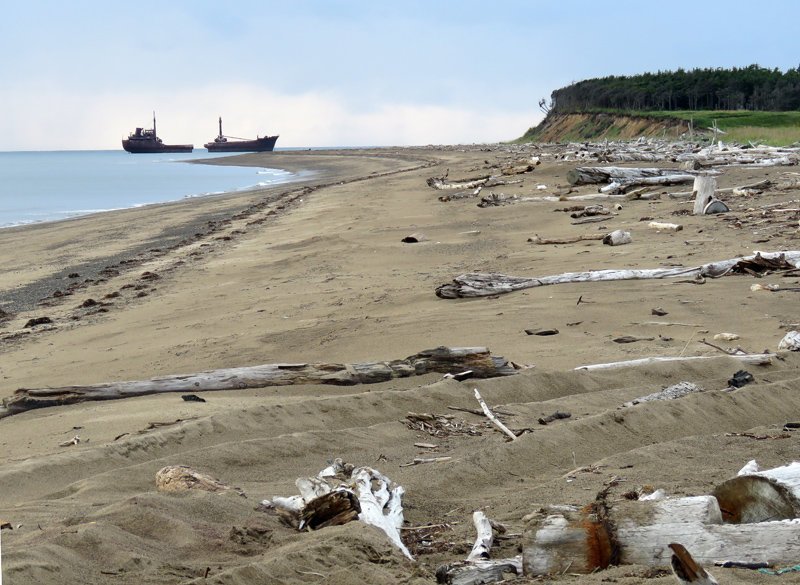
x=315, y=271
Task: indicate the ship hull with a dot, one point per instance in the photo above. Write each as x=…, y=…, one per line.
x=150, y=147
x=265, y=144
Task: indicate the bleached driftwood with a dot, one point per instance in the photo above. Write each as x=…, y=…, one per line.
x=478, y=572
x=441, y=183
x=341, y=493
x=753, y=359
x=672, y=392
x=626, y=185
x=537, y=239
x=790, y=341
x=485, y=538
x=583, y=541
x=490, y=415
x=443, y=360
x=704, y=190
x=381, y=504
x=593, y=175
x=665, y=226
x=478, y=569
x=478, y=284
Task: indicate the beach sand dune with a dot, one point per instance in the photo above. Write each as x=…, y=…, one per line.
x=317, y=272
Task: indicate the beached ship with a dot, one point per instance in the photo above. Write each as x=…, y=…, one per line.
x=222, y=144
x=145, y=140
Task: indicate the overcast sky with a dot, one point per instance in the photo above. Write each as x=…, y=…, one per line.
x=82, y=74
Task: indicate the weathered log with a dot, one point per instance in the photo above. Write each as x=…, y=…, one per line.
x=760, y=496
x=441, y=183
x=664, y=226
x=704, y=190
x=583, y=541
x=537, y=239
x=444, y=360
x=478, y=284
x=483, y=543
x=478, y=572
x=790, y=341
x=753, y=359
x=594, y=175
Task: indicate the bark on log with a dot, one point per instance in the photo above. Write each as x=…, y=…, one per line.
x=444, y=360
x=704, y=191
x=478, y=284
x=594, y=175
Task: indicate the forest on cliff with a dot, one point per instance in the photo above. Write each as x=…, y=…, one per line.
x=747, y=88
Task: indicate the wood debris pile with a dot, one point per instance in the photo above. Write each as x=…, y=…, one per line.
x=440, y=425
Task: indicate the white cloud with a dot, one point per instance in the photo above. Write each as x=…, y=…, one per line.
x=52, y=118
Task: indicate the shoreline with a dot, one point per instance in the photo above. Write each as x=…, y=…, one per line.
x=209, y=211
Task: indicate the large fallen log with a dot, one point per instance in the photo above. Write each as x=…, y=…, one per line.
x=625, y=185
x=445, y=360
x=593, y=175
x=599, y=535
x=481, y=284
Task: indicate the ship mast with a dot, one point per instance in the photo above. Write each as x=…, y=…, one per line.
x=155, y=134
x=220, y=126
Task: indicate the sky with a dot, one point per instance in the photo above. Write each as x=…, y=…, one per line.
x=82, y=74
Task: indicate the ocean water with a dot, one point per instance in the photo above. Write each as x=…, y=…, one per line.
x=48, y=186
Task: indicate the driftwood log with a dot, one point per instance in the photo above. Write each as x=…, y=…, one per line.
x=584, y=540
x=441, y=183
x=478, y=284
x=753, y=359
x=537, y=239
x=704, y=189
x=445, y=360
x=595, y=175
x=623, y=186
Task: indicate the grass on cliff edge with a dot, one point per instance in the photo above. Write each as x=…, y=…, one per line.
x=773, y=128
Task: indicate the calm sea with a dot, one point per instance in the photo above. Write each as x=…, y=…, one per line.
x=48, y=186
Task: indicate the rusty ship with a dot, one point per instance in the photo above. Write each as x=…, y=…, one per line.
x=145, y=140
x=224, y=143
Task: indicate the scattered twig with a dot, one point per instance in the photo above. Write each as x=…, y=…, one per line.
x=490, y=415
